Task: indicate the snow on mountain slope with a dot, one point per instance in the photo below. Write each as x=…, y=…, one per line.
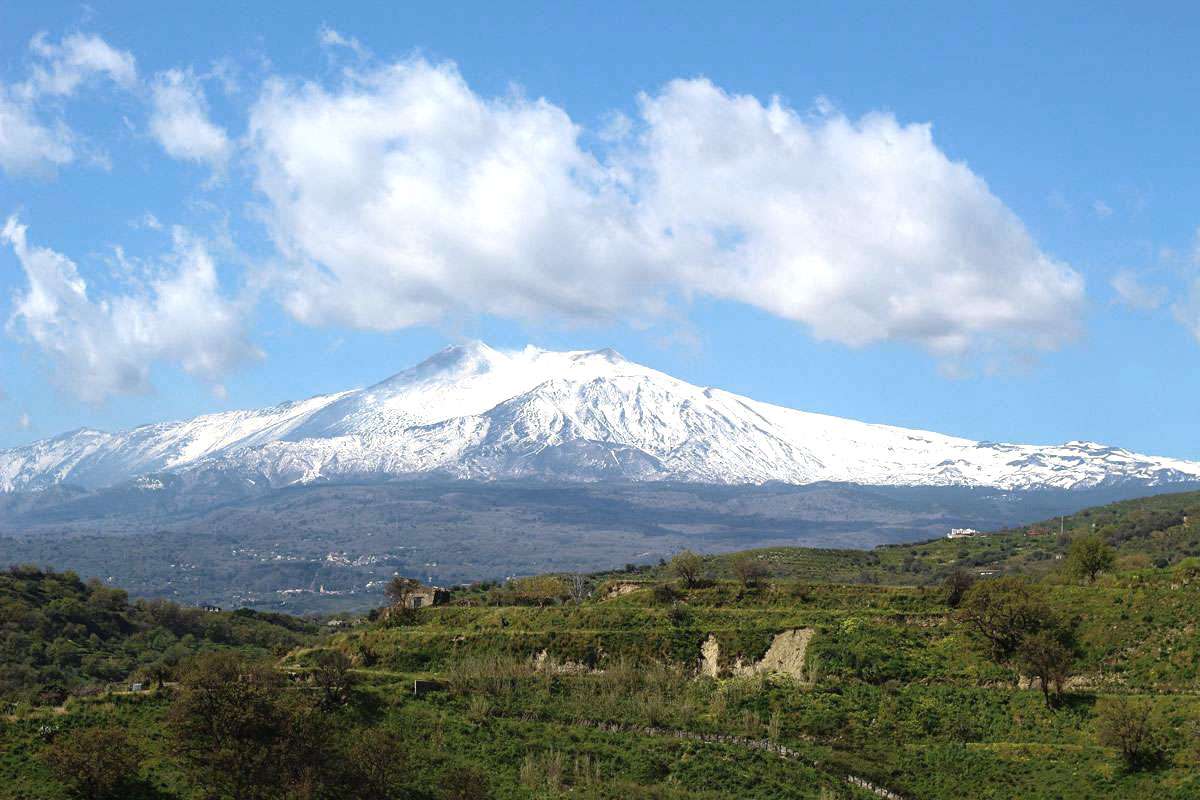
x=94, y=459
x=474, y=412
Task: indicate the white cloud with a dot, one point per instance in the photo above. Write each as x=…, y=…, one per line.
x=149, y=222
x=24, y=422
x=617, y=127
x=1135, y=294
x=77, y=57
x=27, y=145
x=28, y=142
x=179, y=121
x=402, y=197
x=105, y=346
x=1103, y=210
x=225, y=71
x=862, y=229
x=328, y=37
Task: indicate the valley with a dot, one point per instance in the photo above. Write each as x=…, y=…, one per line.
x=330, y=546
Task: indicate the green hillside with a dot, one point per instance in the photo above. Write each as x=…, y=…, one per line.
x=784, y=673
x=1153, y=531
x=59, y=635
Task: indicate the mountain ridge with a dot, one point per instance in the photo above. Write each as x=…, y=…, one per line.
x=473, y=412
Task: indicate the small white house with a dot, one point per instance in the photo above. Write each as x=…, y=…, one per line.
x=962, y=533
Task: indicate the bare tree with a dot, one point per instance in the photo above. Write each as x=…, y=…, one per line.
x=578, y=587
x=333, y=677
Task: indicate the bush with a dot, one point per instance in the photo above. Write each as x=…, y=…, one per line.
x=749, y=571
x=96, y=763
x=464, y=783
x=665, y=593
x=1129, y=725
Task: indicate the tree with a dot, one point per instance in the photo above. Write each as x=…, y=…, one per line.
x=96, y=763
x=399, y=589
x=241, y=734
x=1128, y=724
x=749, y=571
x=225, y=723
x=578, y=587
x=686, y=566
x=1003, y=611
x=380, y=762
x=333, y=677
x=956, y=585
x=158, y=673
x=1088, y=557
x=1048, y=655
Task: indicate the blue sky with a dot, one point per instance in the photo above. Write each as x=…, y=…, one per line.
x=1023, y=270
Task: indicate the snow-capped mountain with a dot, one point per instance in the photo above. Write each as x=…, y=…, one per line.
x=474, y=412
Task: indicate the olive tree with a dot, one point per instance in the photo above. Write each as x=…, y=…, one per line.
x=749, y=571
x=1048, y=655
x=687, y=566
x=1003, y=611
x=1021, y=630
x=1088, y=557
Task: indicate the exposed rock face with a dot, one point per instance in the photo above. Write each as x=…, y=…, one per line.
x=544, y=662
x=785, y=656
x=710, y=658
x=622, y=588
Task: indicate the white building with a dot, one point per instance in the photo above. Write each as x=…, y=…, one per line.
x=962, y=533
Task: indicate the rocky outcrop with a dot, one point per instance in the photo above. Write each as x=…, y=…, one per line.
x=785, y=656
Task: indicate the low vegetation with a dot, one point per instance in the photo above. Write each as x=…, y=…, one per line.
x=926, y=675
x=60, y=636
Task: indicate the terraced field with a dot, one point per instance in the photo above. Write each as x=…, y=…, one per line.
x=835, y=674
x=892, y=689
